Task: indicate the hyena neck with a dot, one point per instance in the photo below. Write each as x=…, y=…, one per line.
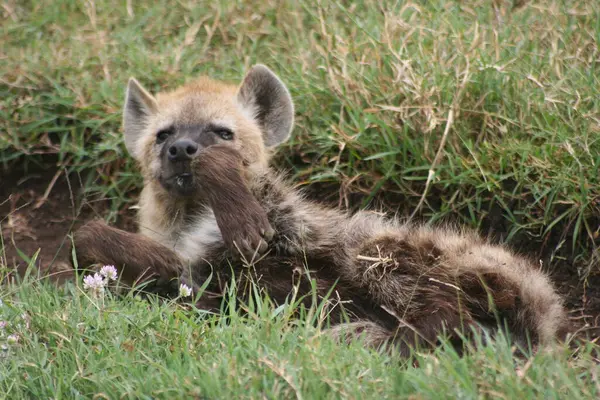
x=161, y=214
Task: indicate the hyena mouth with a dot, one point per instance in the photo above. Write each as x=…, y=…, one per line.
x=183, y=181
x=180, y=184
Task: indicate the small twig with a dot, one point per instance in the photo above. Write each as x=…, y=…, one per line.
x=129, y=7
x=367, y=258
x=44, y=198
x=436, y=160
x=438, y=154
x=210, y=32
x=6, y=201
x=445, y=283
x=71, y=197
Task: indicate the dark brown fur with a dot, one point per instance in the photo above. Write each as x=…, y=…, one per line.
x=241, y=219
x=98, y=243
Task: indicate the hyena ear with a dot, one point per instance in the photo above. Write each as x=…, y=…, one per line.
x=139, y=105
x=267, y=98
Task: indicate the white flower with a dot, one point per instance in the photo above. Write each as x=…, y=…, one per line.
x=185, y=290
x=12, y=339
x=109, y=272
x=94, y=283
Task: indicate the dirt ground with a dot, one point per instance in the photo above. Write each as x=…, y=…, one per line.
x=39, y=209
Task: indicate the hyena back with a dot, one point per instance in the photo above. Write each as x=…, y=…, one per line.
x=211, y=205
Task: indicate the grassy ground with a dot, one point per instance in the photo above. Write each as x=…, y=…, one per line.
x=476, y=112
x=70, y=345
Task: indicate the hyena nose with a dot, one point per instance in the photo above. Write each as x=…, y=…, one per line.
x=183, y=150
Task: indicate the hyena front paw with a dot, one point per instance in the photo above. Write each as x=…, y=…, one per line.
x=247, y=230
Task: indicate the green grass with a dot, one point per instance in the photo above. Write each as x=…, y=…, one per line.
x=71, y=345
x=374, y=84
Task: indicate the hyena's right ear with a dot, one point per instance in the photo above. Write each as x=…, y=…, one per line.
x=139, y=106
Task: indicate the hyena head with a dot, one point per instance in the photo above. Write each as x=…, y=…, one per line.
x=166, y=133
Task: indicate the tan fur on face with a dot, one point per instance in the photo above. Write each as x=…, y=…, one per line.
x=199, y=102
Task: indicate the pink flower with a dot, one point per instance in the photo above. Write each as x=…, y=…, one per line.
x=109, y=272
x=94, y=283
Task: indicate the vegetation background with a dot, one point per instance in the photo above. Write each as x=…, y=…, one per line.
x=483, y=113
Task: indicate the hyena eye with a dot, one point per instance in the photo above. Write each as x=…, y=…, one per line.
x=162, y=135
x=224, y=133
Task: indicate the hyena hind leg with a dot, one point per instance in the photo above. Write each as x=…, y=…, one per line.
x=440, y=293
x=137, y=258
x=406, y=279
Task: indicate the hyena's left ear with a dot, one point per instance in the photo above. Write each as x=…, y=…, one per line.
x=139, y=106
x=267, y=98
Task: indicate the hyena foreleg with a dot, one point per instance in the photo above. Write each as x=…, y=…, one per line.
x=241, y=219
x=137, y=258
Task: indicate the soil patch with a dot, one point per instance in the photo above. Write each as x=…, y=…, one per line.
x=40, y=208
